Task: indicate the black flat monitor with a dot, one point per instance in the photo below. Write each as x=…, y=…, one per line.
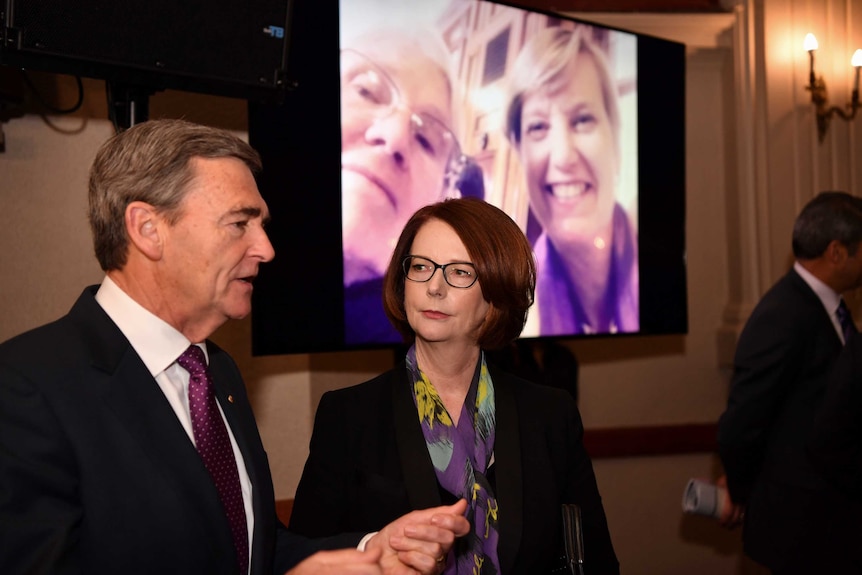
x=576, y=130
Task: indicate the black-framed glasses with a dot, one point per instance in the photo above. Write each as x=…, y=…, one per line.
x=366, y=89
x=457, y=274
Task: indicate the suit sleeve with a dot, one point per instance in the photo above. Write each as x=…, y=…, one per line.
x=769, y=358
x=291, y=549
x=321, y=497
x=40, y=523
x=582, y=489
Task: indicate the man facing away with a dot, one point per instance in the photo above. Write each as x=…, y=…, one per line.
x=127, y=441
x=783, y=360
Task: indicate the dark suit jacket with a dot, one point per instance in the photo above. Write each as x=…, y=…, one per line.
x=369, y=464
x=783, y=360
x=97, y=475
x=835, y=448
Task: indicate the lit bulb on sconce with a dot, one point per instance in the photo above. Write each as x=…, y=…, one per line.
x=817, y=87
x=810, y=45
x=856, y=62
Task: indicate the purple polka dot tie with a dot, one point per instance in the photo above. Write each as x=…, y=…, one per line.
x=213, y=444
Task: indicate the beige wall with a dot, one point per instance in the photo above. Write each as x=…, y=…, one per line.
x=753, y=160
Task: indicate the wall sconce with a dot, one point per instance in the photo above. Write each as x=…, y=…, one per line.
x=818, y=90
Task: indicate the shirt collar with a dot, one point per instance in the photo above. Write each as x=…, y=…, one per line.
x=828, y=296
x=156, y=342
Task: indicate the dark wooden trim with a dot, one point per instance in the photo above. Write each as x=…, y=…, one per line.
x=651, y=440
x=643, y=441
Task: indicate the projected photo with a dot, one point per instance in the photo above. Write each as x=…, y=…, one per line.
x=533, y=113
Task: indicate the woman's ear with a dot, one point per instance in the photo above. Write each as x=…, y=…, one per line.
x=143, y=225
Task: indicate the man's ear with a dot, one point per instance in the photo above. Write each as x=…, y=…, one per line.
x=144, y=227
x=836, y=252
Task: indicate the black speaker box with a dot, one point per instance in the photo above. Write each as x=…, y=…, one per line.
x=229, y=47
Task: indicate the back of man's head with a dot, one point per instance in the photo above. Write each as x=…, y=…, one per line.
x=829, y=216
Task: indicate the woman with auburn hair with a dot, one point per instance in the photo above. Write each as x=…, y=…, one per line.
x=445, y=424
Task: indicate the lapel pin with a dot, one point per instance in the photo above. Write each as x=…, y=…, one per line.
x=230, y=398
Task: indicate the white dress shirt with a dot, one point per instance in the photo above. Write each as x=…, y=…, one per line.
x=827, y=295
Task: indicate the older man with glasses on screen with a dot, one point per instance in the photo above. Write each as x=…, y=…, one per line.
x=398, y=154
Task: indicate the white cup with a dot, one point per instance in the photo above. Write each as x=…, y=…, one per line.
x=703, y=498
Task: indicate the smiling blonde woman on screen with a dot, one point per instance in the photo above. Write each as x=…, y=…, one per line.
x=563, y=120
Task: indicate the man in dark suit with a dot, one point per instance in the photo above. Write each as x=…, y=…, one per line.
x=127, y=441
x=783, y=359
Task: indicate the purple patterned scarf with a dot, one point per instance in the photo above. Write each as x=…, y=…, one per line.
x=461, y=456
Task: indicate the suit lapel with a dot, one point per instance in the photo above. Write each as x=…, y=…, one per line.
x=815, y=302
x=125, y=385
x=507, y=461
x=233, y=399
x=420, y=479
x=142, y=407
